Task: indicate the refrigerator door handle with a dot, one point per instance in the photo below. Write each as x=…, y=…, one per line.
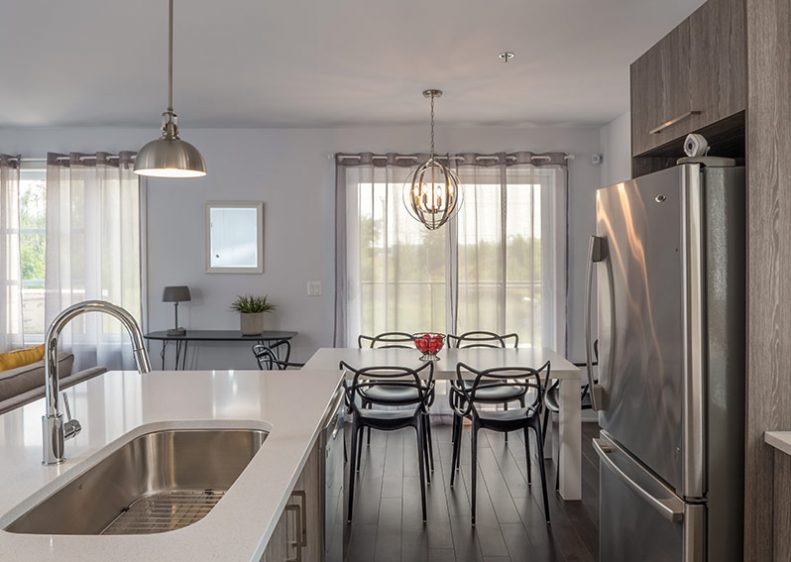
x=669, y=509
x=596, y=253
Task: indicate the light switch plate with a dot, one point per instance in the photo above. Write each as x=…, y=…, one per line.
x=314, y=288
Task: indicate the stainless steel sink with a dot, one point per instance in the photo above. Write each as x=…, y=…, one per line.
x=157, y=482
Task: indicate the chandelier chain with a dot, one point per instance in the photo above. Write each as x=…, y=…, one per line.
x=432, y=125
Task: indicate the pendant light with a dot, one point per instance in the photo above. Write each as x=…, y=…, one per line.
x=169, y=156
x=433, y=194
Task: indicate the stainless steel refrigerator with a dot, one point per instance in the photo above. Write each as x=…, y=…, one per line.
x=668, y=260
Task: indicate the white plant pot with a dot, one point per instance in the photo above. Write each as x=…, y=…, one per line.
x=251, y=323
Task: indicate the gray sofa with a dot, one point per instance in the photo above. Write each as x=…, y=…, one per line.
x=26, y=384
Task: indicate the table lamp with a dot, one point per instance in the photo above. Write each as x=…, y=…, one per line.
x=176, y=295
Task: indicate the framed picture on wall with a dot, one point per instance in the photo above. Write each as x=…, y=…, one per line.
x=234, y=236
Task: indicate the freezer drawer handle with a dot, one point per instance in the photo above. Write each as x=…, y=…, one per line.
x=603, y=449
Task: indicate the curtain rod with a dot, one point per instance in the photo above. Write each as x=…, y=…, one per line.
x=60, y=158
x=566, y=156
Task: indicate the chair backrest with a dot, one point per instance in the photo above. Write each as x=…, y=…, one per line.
x=387, y=340
x=481, y=338
x=524, y=379
x=389, y=376
x=271, y=356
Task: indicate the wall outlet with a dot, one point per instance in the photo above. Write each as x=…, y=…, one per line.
x=314, y=288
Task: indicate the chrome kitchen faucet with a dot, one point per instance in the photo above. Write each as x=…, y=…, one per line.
x=55, y=430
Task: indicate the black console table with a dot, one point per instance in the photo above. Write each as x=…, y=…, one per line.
x=211, y=336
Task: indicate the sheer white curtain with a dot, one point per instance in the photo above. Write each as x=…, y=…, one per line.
x=11, y=327
x=94, y=251
x=396, y=269
x=499, y=266
x=512, y=248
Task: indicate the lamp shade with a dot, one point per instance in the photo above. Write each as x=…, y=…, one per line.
x=178, y=293
x=170, y=158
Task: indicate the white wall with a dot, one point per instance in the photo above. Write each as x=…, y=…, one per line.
x=616, y=146
x=292, y=172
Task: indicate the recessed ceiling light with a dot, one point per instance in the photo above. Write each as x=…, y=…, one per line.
x=506, y=56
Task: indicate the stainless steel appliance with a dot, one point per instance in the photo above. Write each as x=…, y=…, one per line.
x=668, y=259
x=332, y=437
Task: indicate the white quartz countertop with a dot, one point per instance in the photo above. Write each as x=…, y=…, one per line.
x=118, y=405
x=780, y=440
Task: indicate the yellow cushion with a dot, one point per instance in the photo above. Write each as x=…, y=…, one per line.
x=21, y=357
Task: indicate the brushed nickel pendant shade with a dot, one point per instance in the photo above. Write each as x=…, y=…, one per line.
x=433, y=194
x=169, y=156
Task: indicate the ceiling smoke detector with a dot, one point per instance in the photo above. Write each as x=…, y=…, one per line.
x=506, y=56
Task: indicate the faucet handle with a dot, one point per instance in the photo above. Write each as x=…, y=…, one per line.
x=71, y=427
x=66, y=404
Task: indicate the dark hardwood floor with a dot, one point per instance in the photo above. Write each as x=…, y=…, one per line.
x=387, y=524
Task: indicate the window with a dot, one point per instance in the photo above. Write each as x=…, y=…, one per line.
x=498, y=266
x=32, y=248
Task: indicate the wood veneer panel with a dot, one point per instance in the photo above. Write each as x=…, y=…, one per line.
x=782, y=507
x=768, y=386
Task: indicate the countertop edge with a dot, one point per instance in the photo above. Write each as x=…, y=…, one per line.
x=780, y=440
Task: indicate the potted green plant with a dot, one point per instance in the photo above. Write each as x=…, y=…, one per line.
x=251, y=313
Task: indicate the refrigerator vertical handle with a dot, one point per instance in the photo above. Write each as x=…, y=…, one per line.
x=597, y=251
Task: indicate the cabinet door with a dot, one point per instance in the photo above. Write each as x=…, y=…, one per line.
x=718, y=77
x=660, y=91
x=298, y=536
x=694, y=77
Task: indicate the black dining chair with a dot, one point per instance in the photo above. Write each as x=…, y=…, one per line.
x=483, y=339
x=394, y=340
x=552, y=402
x=464, y=402
x=387, y=340
x=411, y=411
x=275, y=356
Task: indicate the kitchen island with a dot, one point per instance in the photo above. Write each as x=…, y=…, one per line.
x=118, y=406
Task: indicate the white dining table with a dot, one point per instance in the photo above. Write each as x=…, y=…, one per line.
x=570, y=415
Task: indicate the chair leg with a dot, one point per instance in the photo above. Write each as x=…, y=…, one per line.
x=455, y=432
x=420, y=451
x=557, y=465
x=368, y=439
x=542, y=471
x=430, y=441
x=474, y=468
x=545, y=424
x=459, y=434
x=352, y=471
x=529, y=462
x=424, y=456
x=505, y=409
x=359, y=449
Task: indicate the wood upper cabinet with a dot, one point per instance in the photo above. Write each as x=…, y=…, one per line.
x=695, y=76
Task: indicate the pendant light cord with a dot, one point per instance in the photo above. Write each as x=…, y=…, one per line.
x=170, y=57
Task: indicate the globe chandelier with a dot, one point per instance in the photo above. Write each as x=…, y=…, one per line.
x=432, y=194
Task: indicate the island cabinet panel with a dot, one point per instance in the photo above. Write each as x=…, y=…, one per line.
x=694, y=77
x=298, y=536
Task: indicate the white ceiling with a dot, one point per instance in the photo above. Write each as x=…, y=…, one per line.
x=254, y=63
